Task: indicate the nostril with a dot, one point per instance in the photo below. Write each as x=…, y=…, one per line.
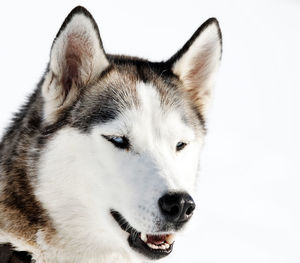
x=190, y=210
x=189, y=207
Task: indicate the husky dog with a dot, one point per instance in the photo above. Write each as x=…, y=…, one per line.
x=100, y=164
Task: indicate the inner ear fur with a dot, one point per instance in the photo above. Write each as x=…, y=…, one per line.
x=197, y=62
x=77, y=57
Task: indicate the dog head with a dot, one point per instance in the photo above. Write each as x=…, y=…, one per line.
x=120, y=167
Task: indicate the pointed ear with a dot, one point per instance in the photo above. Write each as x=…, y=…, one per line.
x=197, y=62
x=77, y=58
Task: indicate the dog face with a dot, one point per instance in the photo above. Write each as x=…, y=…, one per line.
x=123, y=160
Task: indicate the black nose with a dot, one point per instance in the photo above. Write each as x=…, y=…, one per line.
x=177, y=207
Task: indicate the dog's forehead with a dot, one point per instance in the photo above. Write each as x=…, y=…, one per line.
x=157, y=118
x=127, y=89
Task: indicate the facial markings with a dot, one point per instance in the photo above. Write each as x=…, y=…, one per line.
x=105, y=100
x=152, y=164
x=153, y=123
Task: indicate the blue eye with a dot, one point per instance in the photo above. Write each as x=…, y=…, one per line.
x=180, y=146
x=119, y=141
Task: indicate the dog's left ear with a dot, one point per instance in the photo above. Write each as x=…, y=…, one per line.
x=197, y=62
x=77, y=58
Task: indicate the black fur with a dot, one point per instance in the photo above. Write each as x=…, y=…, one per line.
x=8, y=255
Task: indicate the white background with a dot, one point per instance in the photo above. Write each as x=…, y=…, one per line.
x=249, y=189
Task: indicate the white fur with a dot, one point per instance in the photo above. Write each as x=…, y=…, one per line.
x=83, y=176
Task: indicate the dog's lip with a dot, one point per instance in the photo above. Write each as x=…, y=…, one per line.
x=153, y=246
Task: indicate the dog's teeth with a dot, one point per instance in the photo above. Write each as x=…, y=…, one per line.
x=170, y=238
x=162, y=246
x=149, y=245
x=155, y=247
x=144, y=237
x=152, y=246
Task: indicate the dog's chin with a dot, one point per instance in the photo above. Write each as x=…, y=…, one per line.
x=152, y=246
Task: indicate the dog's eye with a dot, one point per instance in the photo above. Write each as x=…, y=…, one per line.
x=180, y=146
x=119, y=141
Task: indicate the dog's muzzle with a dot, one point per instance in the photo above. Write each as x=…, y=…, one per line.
x=177, y=209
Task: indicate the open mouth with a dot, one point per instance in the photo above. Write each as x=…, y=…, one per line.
x=151, y=246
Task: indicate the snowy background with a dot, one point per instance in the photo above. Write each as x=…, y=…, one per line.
x=249, y=191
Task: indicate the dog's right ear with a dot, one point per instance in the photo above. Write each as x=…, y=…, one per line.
x=77, y=58
x=197, y=62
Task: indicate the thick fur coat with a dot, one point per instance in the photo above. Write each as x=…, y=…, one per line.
x=87, y=161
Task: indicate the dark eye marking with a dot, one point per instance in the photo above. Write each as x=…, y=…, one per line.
x=120, y=142
x=180, y=146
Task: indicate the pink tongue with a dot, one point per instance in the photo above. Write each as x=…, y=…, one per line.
x=156, y=239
